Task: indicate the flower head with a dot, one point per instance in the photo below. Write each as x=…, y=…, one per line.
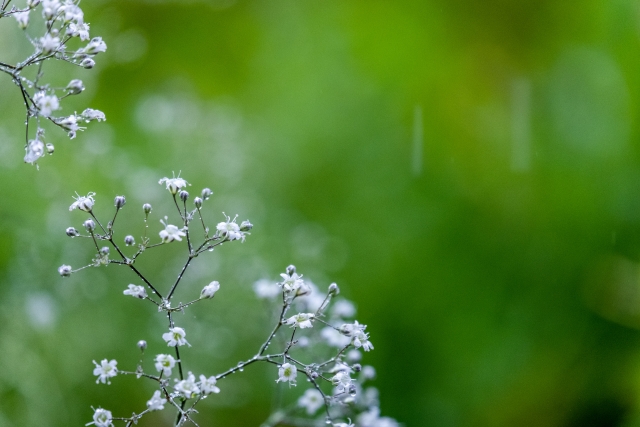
x=311, y=400
x=174, y=184
x=34, y=151
x=156, y=403
x=84, y=203
x=341, y=380
x=188, y=388
x=175, y=337
x=287, y=372
x=49, y=44
x=301, y=320
x=95, y=46
x=171, y=233
x=22, y=18
x=208, y=385
x=136, y=291
x=105, y=370
x=230, y=229
x=291, y=282
x=164, y=364
x=46, y=104
x=102, y=418
x=210, y=290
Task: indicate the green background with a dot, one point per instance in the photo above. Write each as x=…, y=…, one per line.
x=468, y=172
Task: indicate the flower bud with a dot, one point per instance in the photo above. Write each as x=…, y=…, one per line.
x=206, y=193
x=119, y=201
x=291, y=270
x=104, y=250
x=184, y=195
x=65, y=270
x=334, y=289
x=72, y=232
x=89, y=225
x=246, y=226
x=146, y=208
x=50, y=148
x=314, y=375
x=142, y=345
x=129, y=240
x=87, y=63
x=32, y=3
x=357, y=367
x=75, y=86
x=198, y=202
x=210, y=290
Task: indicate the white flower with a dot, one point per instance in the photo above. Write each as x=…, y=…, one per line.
x=105, y=370
x=34, y=151
x=301, y=320
x=156, y=403
x=49, y=44
x=136, y=291
x=334, y=338
x=78, y=30
x=368, y=372
x=70, y=124
x=175, y=337
x=208, y=385
x=287, y=372
x=102, y=418
x=341, y=380
x=210, y=290
x=230, y=229
x=343, y=308
x=311, y=400
x=171, y=233
x=164, y=364
x=174, y=184
x=96, y=45
x=266, y=289
x=46, y=103
x=188, y=388
x=291, y=283
x=50, y=8
x=89, y=114
x=84, y=203
x=359, y=338
x=71, y=12
x=22, y=18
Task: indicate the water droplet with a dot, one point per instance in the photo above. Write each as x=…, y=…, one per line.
x=210, y=249
x=241, y=369
x=328, y=420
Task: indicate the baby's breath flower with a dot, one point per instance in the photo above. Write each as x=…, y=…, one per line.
x=49, y=44
x=34, y=150
x=174, y=184
x=22, y=18
x=210, y=290
x=64, y=270
x=156, y=403
x=208, y=385
x=105, y=370
x=171, y=233
x=301, y=320
x=291, y=282
x=83, y=203
x=175, y=337
x=102, y=418
x=136, y=291
x=90, y=114
x=287, y=373
x=164, y=364
x=46, y=104
x=95, y=46
x=188, y=387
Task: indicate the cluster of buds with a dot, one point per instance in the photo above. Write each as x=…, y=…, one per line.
x=62, y=23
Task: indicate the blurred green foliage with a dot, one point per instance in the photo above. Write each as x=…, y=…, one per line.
x=468, y=172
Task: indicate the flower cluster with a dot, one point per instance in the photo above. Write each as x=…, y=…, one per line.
x=327, y=357
x=62, y=26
